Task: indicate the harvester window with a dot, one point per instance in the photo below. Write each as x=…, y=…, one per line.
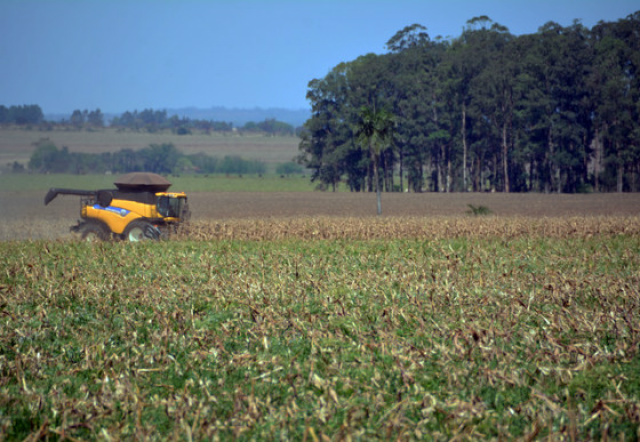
x=170, y=207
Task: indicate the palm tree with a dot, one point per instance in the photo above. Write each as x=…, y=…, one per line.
x=374, y=132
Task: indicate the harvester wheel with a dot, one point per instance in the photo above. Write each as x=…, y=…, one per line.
x=140, y=230
x=93, y=232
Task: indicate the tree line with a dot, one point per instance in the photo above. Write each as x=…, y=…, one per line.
x=30, y=114
x=148, y=120
x=553, y=111
x=162, y=158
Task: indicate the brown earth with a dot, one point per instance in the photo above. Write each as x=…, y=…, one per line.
x=24, y=216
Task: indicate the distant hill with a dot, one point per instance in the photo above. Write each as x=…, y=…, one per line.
x=239, y=117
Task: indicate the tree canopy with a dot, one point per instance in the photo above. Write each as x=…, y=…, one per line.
x=162, y=158
x=21, y=115
x=147, y=120
x=554, y=111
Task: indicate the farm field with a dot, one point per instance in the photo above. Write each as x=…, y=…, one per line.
x=391, y=328
x=18, y=144
x=24, y=216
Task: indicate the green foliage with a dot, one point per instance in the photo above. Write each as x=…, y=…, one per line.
x=478, y=210
x=162, y=158
x=44, y=155
x=289, y=168
x=233, y=164
x=47, y=158
x=274, y=340
x=21, y=115
x=374, y=133
x=17, y=167
x=155, y=120
x=87, y=119
x=269, y=126
x=159, y=158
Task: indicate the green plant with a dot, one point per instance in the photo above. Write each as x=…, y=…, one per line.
x=478, y=210
x=284, y=330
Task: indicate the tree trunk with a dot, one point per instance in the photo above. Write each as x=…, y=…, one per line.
x=505, y=157
x=389, y=173
x=495, y=173
x=443, y=171
x=448, y=175
x=549, y=184
x=597, y=161
x=378, y=193
x=620, y=180
x=464, y=148
x=401, y=171
x=377, y=181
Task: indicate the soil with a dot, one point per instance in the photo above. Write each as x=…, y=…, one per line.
x=24, y=215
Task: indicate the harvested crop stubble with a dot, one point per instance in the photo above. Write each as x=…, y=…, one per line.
x=452, y=328
x=331, y=228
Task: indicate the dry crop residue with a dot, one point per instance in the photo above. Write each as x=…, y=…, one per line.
x=23, y=215
x=484, y=329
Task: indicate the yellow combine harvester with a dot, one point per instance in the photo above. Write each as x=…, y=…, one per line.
x=140, y=208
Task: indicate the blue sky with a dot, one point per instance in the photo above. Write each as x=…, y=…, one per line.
x=120, y=55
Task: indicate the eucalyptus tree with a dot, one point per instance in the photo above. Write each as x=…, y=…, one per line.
x=418, y=102
x=328, y=143
x=615, y=79
x=326, y=135
x=374, y=133
x=573, y=108
x=532, y=105
x=371, y=84
x=453, y=77
x=486, y=110
x=488, y=79
x=464, y=61
x=563, y=69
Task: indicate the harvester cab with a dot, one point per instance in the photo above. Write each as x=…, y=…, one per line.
x=139, y=208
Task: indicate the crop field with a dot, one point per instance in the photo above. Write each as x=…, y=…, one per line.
x=234, y=200
x=327, y=328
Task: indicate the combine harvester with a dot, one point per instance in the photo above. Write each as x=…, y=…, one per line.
x=139, y=209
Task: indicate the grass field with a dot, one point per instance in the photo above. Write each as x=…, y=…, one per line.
x=465, y=328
